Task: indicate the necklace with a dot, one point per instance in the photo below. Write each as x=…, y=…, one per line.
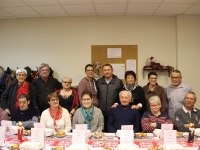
x=66, y=94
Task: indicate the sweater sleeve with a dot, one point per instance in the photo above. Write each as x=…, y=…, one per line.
x=4, y=98
x=81, y=88
x=110, y=124
x=163, y=100
x=75, y=118
x=42, y=119
x=146, y=123
x=180, y=122
x=67, y=121
x=30, y=124
x=100, y=125
x=136, y=122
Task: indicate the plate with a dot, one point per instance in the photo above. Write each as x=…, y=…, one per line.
x=140, y=135
x=179, y=134
x=13, y=147
x=27, y=132
x=60, y=134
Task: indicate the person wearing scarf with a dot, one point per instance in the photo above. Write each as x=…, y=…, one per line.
x=88, y=114
x=138, y=100
x=56, y=117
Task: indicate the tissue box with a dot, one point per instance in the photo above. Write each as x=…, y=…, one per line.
x=127, y=147
x=31, y=146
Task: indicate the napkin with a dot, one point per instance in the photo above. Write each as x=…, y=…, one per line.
x=31, y=146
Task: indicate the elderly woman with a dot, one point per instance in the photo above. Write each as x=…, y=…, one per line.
x=9, y=98
x=154, y=118
x=25, y=114
x=153, y=89
x=56, y=117
x=68, y=96
x=89, y=114
x=89, y=83
x=138, y=98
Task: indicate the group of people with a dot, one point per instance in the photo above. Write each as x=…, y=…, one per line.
x=104, y=105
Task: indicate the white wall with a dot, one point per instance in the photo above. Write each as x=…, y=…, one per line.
x=188, y=48
x=65, y=43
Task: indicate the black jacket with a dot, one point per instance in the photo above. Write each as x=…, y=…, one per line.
x=8, y=97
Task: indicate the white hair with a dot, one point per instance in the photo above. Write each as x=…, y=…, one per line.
x=130, y=94
x=66, y=77
x=43, y=65
x=21, y=70
x=154, y=99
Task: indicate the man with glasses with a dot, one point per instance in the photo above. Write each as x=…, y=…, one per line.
x=25, y=114
x=176, y=93
x=187, y=114
x=9, y=98
x=88, y=83
x=45, y=84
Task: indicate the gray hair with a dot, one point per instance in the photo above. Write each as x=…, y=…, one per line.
x=42, y=66
x=21, y=70
x=176, y=71
x=130, y=94
x=195, y=97
x=66, y=77
x=154, y=99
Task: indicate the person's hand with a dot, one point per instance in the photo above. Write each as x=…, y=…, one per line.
x=7, y=110
x=138, y=107
x=153, y=124
x=114, y=105
x=186, y=125
x=134, y=106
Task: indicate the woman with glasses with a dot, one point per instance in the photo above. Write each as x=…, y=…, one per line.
x=88, y=83
x=9, y=98
x=56, y=117
x=153, y=89
x=88, y=114
x=68, y=96
x=153, y=119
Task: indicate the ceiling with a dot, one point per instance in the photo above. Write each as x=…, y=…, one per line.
x=52, y=8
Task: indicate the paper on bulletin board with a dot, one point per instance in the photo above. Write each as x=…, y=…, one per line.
x=114, y=52
x=131, y=65
x=119, y=70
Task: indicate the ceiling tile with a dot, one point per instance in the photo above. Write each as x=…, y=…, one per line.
x=79, y=9
x=180, y=1
x=198, y=2
x=110, y=1
x=4, y=13
x=145, y=1
x=40, y=2
x=11, y=3
x=172, y=8
x=21, y=11
x=13, y=17
x=195, y=9
x=142, y=8
x=110, y=8
x=64, y=2
x=49, y=10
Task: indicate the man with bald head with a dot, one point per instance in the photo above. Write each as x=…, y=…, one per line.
x=123, y=114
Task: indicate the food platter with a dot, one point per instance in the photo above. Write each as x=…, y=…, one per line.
x=140, y=135
x=179, y=134
x=60, y=134
x=27, y=132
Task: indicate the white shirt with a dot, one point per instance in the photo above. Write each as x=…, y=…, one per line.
x=64, y=123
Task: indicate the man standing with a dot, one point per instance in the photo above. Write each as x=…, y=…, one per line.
x=108, y=88
x=45, y=85
x=124, y=114
x=176, y=93
x=188, y=114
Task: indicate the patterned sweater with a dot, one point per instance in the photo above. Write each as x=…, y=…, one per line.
x=148, y=118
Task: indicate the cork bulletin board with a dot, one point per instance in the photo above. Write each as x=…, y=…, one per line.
x=99, y=54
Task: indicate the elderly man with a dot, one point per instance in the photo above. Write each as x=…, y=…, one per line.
x=45, y=85
x=108, y=88
x=123, y=114
x=187, y=114
x=176, y=93
x=9, y=98
x=25, y=114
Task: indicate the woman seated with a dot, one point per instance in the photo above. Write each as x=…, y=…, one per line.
x=68, y=96
x=56, y=117
x=88, y=114
x=154, y=118
x=25, y=114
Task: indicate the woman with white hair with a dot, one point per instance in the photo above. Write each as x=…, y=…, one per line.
x=68, y=96
x=9, y=98
x=153, y=119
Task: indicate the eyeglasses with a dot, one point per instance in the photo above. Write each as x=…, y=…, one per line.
x=154, y=105
x=89, y=70
x=175, y=77
x=67, y=82
x=54, y=100
x=21, y=75
x=86, y=99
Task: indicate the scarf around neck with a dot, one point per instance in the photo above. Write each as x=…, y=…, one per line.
x=88, y=115
x=130, y=87
x=56, y=116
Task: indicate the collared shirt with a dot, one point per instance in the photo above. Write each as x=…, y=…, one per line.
x=175, y=96
x=182, y=117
